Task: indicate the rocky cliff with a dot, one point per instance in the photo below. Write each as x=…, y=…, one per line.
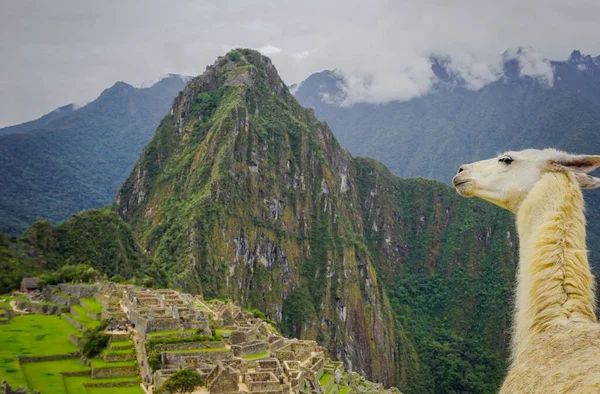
x=243, y=194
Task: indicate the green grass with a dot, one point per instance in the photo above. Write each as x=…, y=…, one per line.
x=124, y=344
x=91, y=305
x=99, y=363
x=32, y=335
x=256, y=356
x=203, y=350
x=344, y=390
x=120, y=390
x=220, y=332
x=325, y=379
x=332, y=388
x=124, y=351
x=45, y=376
x=82, y=317
x=168, y=333
x=74, y=384
x=6, y=303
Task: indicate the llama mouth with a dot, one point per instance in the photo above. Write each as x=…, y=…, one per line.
x=459, y=182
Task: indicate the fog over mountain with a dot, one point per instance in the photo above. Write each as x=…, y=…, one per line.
x=62, y=51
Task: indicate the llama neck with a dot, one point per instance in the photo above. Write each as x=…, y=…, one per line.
x=554, y=285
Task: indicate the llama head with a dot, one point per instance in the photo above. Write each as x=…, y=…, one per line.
x=505, y=180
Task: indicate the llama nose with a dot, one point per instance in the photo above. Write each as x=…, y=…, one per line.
x=461, y=169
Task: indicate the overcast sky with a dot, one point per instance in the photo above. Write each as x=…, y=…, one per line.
x=54, y=52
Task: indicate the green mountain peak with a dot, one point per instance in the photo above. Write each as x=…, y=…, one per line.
x=244, y=194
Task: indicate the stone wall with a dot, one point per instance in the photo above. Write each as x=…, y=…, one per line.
x=79, y=290
x=277, y=344
x=178, y=358
x=189, y=345
x=112, y=384
x=120, y=337
x=74, y=323
x=74, y=339
x=262, y=381
x=112, y=358
x=6, y=388
x=114, y=372
x=78, y=373
x=42, y=308
x=244, y=349
x=24, y=359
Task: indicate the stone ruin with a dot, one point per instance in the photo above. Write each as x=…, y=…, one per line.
x=248, y=357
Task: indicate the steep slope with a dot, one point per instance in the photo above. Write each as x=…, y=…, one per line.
x=242, y=193
x=449, y=267
x=245, y=195
x=78, y=160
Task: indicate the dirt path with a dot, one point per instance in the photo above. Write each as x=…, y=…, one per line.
x=13, y=305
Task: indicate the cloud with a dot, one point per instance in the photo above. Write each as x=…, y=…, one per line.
x=63, y=51
x=269, y=50
x=532, y=64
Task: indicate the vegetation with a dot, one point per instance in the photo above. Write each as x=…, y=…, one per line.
x=15, y=263
x=88, y=246
x=183, y=381
x=256, y=356
x=46, y=376
x=32, y=335
x=84, y=273
x=78, y=161
x=94, y=341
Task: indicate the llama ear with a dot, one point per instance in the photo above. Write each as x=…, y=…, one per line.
x=576, y=163
x=587, y=181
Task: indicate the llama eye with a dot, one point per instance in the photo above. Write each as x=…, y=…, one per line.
x=506, y=160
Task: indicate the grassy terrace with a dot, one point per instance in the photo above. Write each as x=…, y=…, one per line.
x=121, y=344
x=32, y=335
x=123, y=351
x=110, y=390
x=74, y=385
x=256, y=356
x=91, y=305
x=344, y=390
x=46, y=376
x=325, y=379
x=98, y=363
x=81, y=315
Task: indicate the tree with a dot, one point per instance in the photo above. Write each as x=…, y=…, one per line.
x=183, y=381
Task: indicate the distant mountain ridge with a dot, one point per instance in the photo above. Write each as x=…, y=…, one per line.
x=75, y=159
x=39, y=123
x=431, y=136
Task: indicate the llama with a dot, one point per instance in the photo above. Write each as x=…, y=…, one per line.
x=556, y=338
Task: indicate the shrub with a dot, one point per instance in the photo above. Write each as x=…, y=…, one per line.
x=233, y=55
x=258, y=314
x=183, y=381
x=94, y=341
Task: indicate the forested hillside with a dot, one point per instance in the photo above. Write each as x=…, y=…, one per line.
x=433, y=135
x=71, y=160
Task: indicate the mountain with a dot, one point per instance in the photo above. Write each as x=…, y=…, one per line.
x=39, y=123
x=431, y=136
x=71, y=160
x=96, y=237
x=244, y=194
